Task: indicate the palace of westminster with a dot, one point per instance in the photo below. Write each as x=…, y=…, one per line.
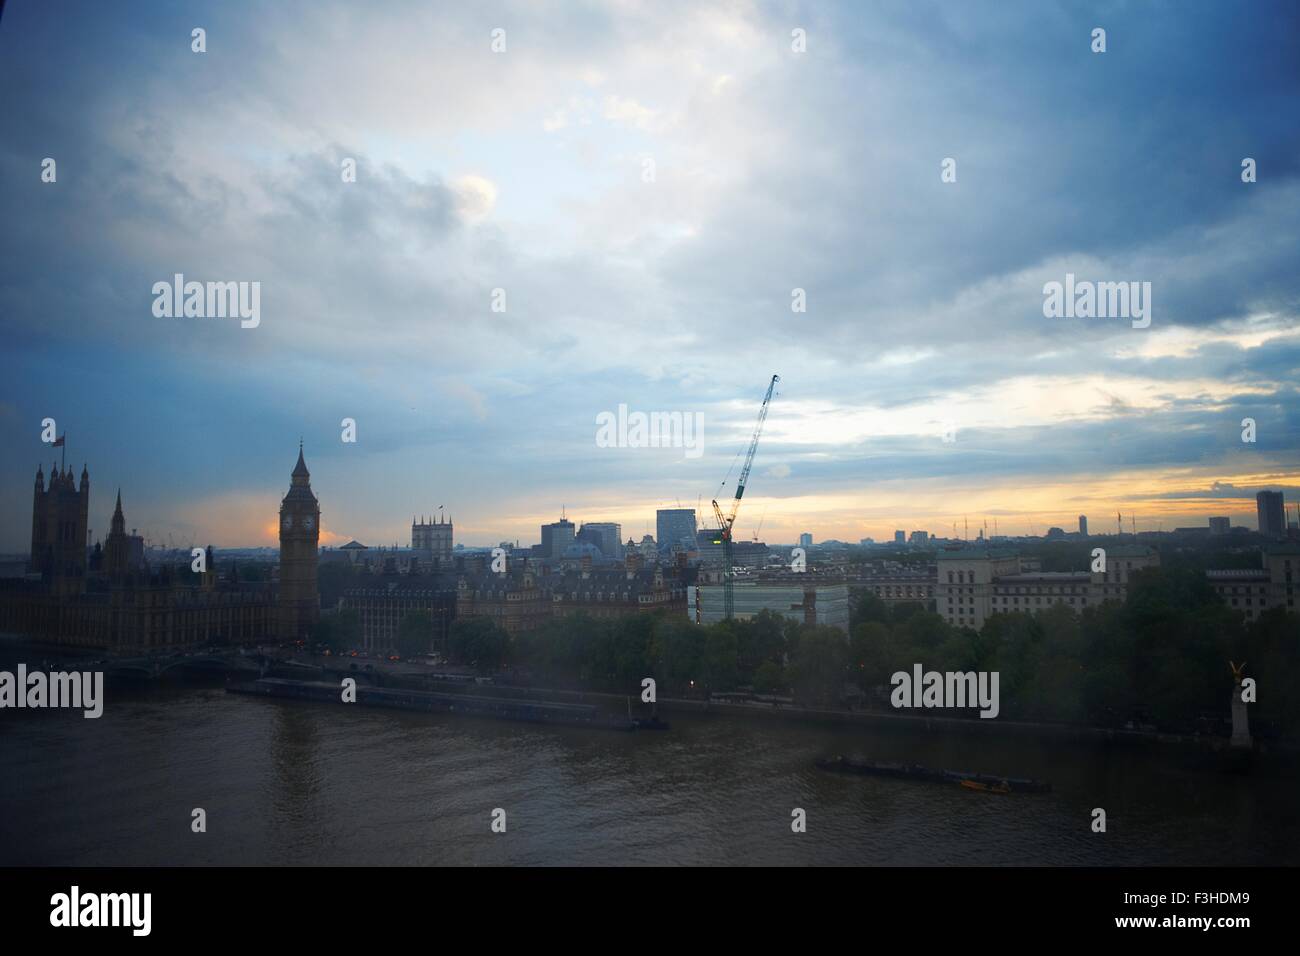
x=108, y=598
x=111, y=599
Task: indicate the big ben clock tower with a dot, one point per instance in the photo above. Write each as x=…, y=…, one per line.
x=299, y=536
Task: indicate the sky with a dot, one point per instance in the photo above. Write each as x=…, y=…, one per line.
x=648, y=183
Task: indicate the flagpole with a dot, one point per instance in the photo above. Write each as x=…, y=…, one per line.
x=65, y=450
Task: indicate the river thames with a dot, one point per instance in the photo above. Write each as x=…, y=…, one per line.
x=288, y=782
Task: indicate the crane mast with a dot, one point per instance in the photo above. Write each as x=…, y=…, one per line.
x=725, y=522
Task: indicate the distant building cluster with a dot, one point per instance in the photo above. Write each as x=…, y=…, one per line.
x=109, y=597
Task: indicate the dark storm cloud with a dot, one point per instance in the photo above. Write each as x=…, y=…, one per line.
x=776, y=171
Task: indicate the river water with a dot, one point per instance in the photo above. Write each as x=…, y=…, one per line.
x=289, y=782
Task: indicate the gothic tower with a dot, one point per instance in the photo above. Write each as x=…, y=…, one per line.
x=116, y=546
x=60, y=515
x=299, y=537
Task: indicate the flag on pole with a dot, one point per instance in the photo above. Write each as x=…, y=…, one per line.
x=58, y=442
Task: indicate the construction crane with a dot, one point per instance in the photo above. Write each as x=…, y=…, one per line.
x=726, y=522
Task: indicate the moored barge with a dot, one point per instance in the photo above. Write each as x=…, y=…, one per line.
x=993, y=782
x=503, y=708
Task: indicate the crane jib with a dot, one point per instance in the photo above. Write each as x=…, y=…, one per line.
x=725, y=523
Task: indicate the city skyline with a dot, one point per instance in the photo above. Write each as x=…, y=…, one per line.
x=1008, y=523
x=923, y=384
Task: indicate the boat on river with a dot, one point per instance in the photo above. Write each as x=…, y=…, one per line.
x=989, y=782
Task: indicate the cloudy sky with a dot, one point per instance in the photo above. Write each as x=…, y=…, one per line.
x=529, y=170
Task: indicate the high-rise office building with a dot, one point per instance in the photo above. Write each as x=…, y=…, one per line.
x=606, y=535
x=675, y=528
x=900, y=537
x=1272, y=517
x=556, y=537
x=1220, y=525
x=805, y=540
x=1083, y=525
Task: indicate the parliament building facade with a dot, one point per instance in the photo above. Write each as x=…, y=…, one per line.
x=113, y=601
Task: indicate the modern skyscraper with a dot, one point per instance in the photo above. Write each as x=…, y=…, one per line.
x=1220, y=525
x=805, y=540
x=1083, y=525
x=299, y=538
x=606, y=535
x=556, y=537
x=900, y=537
x=1272, y=517
x=675, y=527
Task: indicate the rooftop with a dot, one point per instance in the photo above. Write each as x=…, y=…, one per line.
x=1047, y=576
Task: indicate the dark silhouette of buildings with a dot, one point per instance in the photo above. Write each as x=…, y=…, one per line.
x=60, y=514
x=1271, y=514
x=123, y=606
x=299, y=596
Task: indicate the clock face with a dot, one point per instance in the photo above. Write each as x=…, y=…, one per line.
x=286, y=521
x=310, y=522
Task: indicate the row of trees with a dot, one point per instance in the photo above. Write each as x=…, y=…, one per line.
x=767, y=653
x=1161, y=657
